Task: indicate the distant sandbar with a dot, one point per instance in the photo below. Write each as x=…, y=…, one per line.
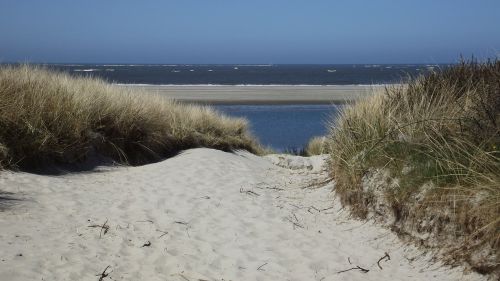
x=265, y=94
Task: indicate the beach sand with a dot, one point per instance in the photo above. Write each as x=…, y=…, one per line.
x=201, y=215
x=262, y=94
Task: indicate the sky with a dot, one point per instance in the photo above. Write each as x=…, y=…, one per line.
x=248, y=31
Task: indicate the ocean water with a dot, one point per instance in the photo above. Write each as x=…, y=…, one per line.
x=172, y=74
x=284, y=127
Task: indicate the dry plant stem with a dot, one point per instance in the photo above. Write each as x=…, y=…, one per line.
x=261, y=267
x=104, y=274
x=104, y=228
x=363, y=270
x=249, y=192
x=385, y=257
x=163, y=233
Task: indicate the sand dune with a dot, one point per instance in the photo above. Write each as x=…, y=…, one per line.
x=202, y=215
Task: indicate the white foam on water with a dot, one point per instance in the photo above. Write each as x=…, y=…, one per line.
x=255, y=65
x=86, y=70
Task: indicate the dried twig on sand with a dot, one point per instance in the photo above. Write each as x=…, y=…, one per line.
x=104, y=228
x=318, y=183
x=261, y=267
x=104, y=274
x=163, y=233
x=363, y=270
x=270, y=187
x=187, y=226
x=386, y=257
x=295, y=222
x=249, y=192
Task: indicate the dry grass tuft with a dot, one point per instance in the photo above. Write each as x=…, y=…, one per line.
x=52, y=117
x=317, y=146
x=433, y=145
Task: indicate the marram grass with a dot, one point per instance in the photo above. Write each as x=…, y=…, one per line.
x=52, y=117
x=438, y=139
x=317, y=146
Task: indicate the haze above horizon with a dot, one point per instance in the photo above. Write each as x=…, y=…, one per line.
x=250, y=32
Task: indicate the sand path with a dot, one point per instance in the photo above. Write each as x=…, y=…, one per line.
x=202, y=215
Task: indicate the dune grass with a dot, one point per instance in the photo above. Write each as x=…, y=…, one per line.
x=317, y=146
x=425, y=157
x=52, y=117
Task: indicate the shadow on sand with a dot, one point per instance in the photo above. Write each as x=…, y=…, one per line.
x=7, y=200
x=93, y=164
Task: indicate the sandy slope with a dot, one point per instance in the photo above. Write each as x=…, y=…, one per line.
x=208, y=215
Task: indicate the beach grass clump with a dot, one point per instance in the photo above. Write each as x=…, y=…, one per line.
x=317, y=146
x=425, y=158
x=53, y=117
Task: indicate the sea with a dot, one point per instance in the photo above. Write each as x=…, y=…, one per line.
x=280, y=127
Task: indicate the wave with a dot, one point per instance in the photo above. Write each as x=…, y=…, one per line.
x=121, y=65
x=87, y=70
x=255, y=65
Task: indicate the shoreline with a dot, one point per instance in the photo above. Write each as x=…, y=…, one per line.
x=260, y=94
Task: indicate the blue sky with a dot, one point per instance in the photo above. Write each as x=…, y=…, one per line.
x=250, y=31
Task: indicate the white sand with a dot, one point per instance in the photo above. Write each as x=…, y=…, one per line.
x=201, y=222
x=262, y=94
